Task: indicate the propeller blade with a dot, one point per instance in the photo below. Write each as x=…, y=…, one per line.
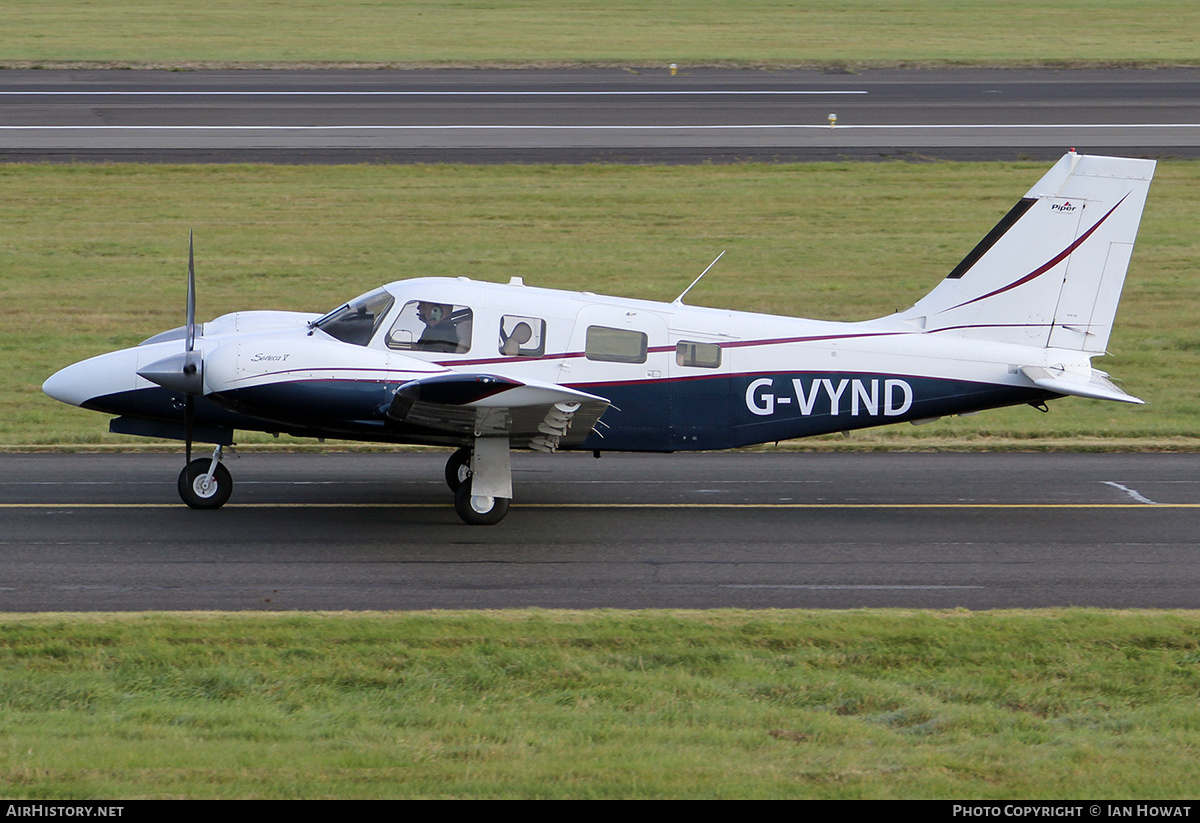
x=191, y=297
x=184, y=372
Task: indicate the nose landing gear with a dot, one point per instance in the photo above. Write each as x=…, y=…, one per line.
x=205, y=483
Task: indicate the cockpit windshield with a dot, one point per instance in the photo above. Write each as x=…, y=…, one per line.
x=355, y=322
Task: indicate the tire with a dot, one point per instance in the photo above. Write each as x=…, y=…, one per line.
x=479, y=511
x=458, y=468
x=217, y=494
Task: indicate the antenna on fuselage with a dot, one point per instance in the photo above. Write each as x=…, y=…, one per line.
x=678, y=301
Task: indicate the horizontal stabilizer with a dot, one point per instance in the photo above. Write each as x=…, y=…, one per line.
x=1098, y=387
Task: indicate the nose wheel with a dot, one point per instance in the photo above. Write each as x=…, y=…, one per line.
x=205, y=483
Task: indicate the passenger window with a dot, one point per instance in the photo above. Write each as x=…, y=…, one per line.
x=522, y=336
x=424, y=325
x=703, y=355
x=615, y=345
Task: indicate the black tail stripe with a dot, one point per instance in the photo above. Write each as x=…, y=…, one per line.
x=993, y=236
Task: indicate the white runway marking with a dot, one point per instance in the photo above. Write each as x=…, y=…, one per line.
x=841, y=586
x=664, y=127
x=1136, y=495
x=226, y=93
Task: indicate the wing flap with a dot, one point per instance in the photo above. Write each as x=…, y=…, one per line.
x=531, y=414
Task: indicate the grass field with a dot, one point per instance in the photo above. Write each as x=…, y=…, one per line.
x=839, y=33
x=716, y=704
x=92, y=258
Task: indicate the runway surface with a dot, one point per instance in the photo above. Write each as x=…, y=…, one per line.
x=593, y=115
x=757, y=530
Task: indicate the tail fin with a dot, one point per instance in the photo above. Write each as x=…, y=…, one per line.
x=1050, y=273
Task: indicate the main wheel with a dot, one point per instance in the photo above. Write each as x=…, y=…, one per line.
x=478, y=509
x=458, y=468
x=196, y=494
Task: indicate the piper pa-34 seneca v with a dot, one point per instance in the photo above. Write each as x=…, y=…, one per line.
x=490, y=367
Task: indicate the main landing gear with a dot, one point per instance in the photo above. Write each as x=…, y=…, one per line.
x=479, y=509
x=481, y=479
x=205, y=483
x=458, y=468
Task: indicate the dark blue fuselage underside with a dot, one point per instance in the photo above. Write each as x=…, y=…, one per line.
x=719, y=412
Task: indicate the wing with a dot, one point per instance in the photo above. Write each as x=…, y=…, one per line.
x=532, y=414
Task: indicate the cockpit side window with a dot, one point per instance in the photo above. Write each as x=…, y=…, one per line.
x=522, y=336
x=357, y=321
x=425, y=325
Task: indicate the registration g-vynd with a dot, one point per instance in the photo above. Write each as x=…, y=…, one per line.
x=488, y=367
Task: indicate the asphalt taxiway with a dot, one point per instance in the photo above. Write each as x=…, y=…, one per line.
x=757, y=530
x=701, y=115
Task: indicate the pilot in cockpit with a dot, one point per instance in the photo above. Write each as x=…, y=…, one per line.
x=441, y=329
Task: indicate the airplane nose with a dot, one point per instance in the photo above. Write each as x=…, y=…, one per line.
x=67, y=385
x=96, y=377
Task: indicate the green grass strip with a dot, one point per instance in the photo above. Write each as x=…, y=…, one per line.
x=770, y=33
x=552, y=704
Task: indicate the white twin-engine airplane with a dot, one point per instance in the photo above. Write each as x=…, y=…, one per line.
x=491, y=367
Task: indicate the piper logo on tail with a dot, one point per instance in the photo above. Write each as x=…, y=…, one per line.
x=891, y=397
